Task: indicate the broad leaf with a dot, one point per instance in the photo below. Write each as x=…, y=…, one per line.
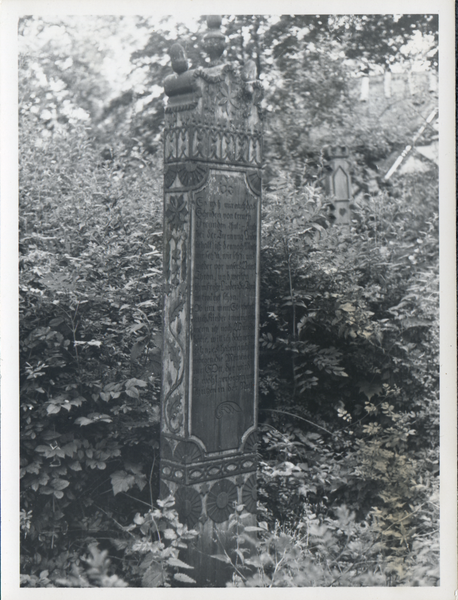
x=121, y=482
x=183, y=578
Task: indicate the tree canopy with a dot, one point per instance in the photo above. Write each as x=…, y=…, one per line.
x=308, y=63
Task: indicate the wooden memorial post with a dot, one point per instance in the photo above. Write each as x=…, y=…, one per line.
x=212, y=198
x=338, y=183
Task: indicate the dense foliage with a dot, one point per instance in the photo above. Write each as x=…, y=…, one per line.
x=349, y=410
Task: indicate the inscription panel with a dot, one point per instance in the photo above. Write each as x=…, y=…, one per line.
x=224, y=289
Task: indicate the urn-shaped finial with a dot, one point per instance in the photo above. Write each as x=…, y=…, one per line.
x=178, y=57
x=214, y=42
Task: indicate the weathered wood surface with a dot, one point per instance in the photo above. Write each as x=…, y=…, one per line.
x=212, y=197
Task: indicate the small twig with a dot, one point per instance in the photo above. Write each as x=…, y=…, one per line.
x=354, y=564
x=229, y=558
x=150, y=480
x=138, y=500
x=283, y=412
x=122, y=527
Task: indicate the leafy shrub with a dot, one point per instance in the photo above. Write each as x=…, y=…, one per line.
x=330, y=551
x=150, y=547
x=90, y=326
x=93, y=573
x=349, y=368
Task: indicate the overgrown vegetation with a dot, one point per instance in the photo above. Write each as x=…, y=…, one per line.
x=349, y=432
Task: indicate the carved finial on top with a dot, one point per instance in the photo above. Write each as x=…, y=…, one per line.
x=214, y=42
x=178, y=57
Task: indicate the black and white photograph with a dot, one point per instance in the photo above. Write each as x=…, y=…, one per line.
x=228, y=299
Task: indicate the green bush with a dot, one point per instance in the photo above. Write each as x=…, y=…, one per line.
x=349, y=372
x=90, y=327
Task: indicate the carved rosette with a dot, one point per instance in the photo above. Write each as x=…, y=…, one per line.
x=190, y=175
x=249, y=494
x=215, y=500
x=251, y=443
x=221, y=500
x=188, y=504
x=187, y=452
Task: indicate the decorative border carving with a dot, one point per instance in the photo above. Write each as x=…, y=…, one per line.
x=173, y=403
x=174, y=108
x=207, y=470
x=209, y=143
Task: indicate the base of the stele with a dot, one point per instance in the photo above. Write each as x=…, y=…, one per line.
x=221, y=540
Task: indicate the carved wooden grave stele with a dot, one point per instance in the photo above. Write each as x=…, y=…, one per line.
x=212, y=197
x=338, y=183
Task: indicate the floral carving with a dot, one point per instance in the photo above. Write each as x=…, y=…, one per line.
x=188, y=504
x=173, y=404
x=228, y=97
x=220, y=500
x=182, y=143
x=176, y=212
x=229, y=145
x=170, y=143
x=249, y=494
x=176, y=264
x=242, y=155
x=174, y=412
